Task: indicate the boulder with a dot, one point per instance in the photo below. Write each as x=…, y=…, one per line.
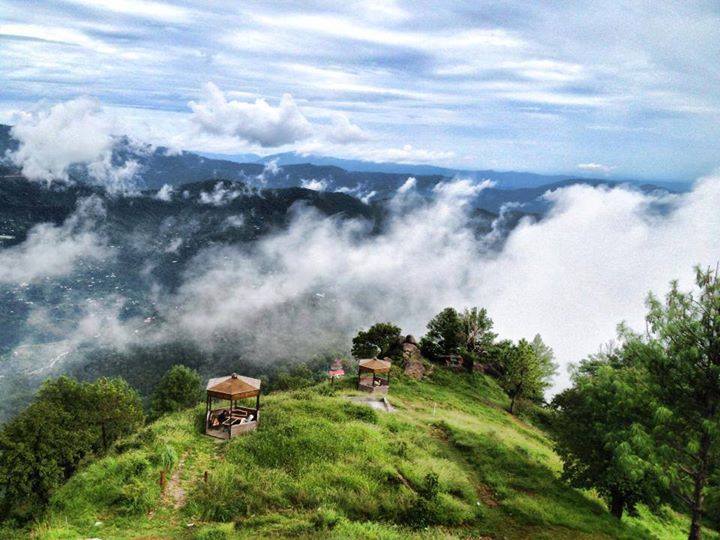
x=413, y=360
x=411, y=339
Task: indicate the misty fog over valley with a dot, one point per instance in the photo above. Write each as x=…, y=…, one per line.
x=374, y=269
x=261, y=265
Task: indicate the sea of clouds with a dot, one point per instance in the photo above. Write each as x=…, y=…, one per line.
x=571, y=276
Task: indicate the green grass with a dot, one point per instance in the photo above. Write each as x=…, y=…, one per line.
x=449, y=463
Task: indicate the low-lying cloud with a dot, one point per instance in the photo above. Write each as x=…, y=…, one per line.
x=51, y=140
x=572, y=276
x=50, y=251
x=304, y=290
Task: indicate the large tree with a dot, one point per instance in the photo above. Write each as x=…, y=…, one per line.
x=378, y=340
x=601, y=436
x=683, y=360
x=45, y=443
x=179, y=388
x=444, y=335
x=523, y=375
x=468, y=333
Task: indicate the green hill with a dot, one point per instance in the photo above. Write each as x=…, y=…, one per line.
x=448, y=462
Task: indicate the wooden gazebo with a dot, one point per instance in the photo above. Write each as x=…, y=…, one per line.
x=370, y=375
x=227, y=422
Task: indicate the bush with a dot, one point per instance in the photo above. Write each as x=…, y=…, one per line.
x=424, y=511
x=326, y=518
x=180, y=388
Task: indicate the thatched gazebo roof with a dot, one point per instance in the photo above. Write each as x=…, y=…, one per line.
x=374, y=365
x=233, y=387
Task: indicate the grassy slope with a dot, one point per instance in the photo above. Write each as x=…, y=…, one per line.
x=320, y=466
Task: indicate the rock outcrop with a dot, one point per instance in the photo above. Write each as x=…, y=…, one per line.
x=413, y=363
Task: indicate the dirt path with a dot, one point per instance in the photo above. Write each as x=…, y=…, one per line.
x=174, y=492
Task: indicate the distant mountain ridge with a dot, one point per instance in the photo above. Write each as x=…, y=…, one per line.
x=502, y=179
x=159, y=166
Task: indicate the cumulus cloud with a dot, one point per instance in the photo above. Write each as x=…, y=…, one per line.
x=50, y=251
x=306, y=289
x=596, y=168
x=342, y=131
x=408, y=185
x=53, y=139
x=257, y=122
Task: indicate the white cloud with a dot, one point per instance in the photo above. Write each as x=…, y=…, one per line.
x=596, y=168
x=56, y=34
x=257, y=123
x=50, y=251
x=136, y=8
x=270, y=169
x=165, y=193
x=341, y=27
x=406, y=154
x=314, y=184
x=52, y=139
x=220, y=195
x=408, y=185
x=571, y=276
x=342, y=131
x=368, y=197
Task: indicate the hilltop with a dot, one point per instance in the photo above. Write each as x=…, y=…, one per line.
x=448, y=462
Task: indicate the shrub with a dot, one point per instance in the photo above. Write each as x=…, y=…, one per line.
x=326, y=518
x=79, y=419
x=424, y=511
x=180, y=388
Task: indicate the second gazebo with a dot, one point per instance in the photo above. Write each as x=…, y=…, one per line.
x=374, y=375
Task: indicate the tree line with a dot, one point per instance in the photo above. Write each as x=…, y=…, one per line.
x=523, y=369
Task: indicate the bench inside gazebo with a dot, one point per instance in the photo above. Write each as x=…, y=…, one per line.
x=235, y=419
x=374, y=375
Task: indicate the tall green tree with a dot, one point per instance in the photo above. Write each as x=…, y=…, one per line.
x=683, y=360
x=601, y=434
x=468, y=333
x=546, y=360
x=477, y=335
x=444, y=335
x=378, y=340
x=523, y=375
x=46, y=442
x=179, y=388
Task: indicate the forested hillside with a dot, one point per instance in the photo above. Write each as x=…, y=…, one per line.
x=447, y=462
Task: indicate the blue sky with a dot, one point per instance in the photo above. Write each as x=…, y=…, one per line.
x=617, y=89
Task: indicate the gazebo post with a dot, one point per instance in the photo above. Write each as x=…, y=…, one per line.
x=207, y=411
x=257, y=404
